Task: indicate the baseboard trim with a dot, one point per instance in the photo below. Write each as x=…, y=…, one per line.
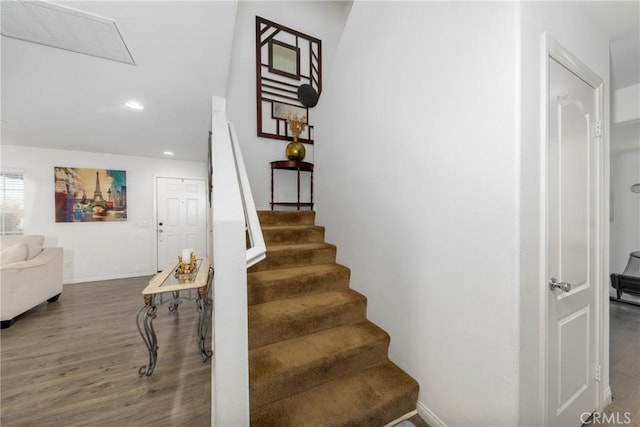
x=428, y=415
x=608, y=397
x=402, y=418
x=101, y=278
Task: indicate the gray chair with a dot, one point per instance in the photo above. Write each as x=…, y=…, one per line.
x=629, y=281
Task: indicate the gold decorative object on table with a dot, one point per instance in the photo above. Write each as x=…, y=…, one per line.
x=185, y=270
x=295, y=150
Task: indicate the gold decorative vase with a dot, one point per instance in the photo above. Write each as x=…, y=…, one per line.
x=186, y=266
x=295, y=150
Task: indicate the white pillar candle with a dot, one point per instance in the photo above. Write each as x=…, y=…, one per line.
x=186, y=255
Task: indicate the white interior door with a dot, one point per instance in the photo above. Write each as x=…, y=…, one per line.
x=573, y=240
x=182, y=218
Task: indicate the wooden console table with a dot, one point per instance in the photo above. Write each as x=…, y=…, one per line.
x=297, y=166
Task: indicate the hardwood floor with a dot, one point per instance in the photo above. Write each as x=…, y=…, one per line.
x=625, y=363
x=75, y=363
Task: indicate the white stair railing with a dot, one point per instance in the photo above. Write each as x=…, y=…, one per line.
x=257, y=249
x=234, y=215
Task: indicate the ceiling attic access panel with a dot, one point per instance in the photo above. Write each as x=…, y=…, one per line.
x=285, y=60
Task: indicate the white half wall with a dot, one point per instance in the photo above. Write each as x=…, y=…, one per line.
x=97, y=251
x=417, y=173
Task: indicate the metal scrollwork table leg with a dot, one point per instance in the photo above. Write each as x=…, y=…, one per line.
x=173, y=306
x=144, y=321
x=204, y=316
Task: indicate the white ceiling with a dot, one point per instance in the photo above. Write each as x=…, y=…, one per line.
x=61, y=99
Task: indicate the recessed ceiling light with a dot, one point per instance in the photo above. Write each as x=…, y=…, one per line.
x=134, y=105
x=168, y=153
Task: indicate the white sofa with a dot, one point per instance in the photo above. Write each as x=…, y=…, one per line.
x=30, y=275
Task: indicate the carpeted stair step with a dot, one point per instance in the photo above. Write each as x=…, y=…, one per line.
x=270, y=218
x=288, y=367
x=271, y=285
x=293, y=317
x=314, y=359
x=372, y=397
x=280, y=234
x=284, y=256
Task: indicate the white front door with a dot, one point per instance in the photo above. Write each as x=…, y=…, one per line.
x=182, y=218
x=574, y=222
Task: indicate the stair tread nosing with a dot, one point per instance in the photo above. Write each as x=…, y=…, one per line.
x=284, y=227
x=283, y=234
x=270, y=285
x=291, y=317
x=295, y=272
x=291, y=255
x=281, y=369
x=370, y=397
x=267, y=218
x=300, y=247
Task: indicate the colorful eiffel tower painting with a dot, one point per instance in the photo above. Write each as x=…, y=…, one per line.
x=90, y=195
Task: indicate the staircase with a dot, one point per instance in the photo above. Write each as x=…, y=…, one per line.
x=314, y=359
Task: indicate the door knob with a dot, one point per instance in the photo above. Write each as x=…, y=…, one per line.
x=160, y=231
x=555, y=284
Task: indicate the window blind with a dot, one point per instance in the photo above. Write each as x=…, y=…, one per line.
x=11, y=202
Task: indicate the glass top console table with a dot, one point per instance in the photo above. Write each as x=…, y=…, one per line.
x=170, y=281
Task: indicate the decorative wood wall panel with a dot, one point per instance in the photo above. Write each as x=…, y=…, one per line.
x=285, y=59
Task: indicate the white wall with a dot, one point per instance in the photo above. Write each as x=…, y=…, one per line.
x=626, y=104
x=625, y=171
x=565, y=23
x=417, y=177
x=625, y=214
x=320, y=19
x=97, y=251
